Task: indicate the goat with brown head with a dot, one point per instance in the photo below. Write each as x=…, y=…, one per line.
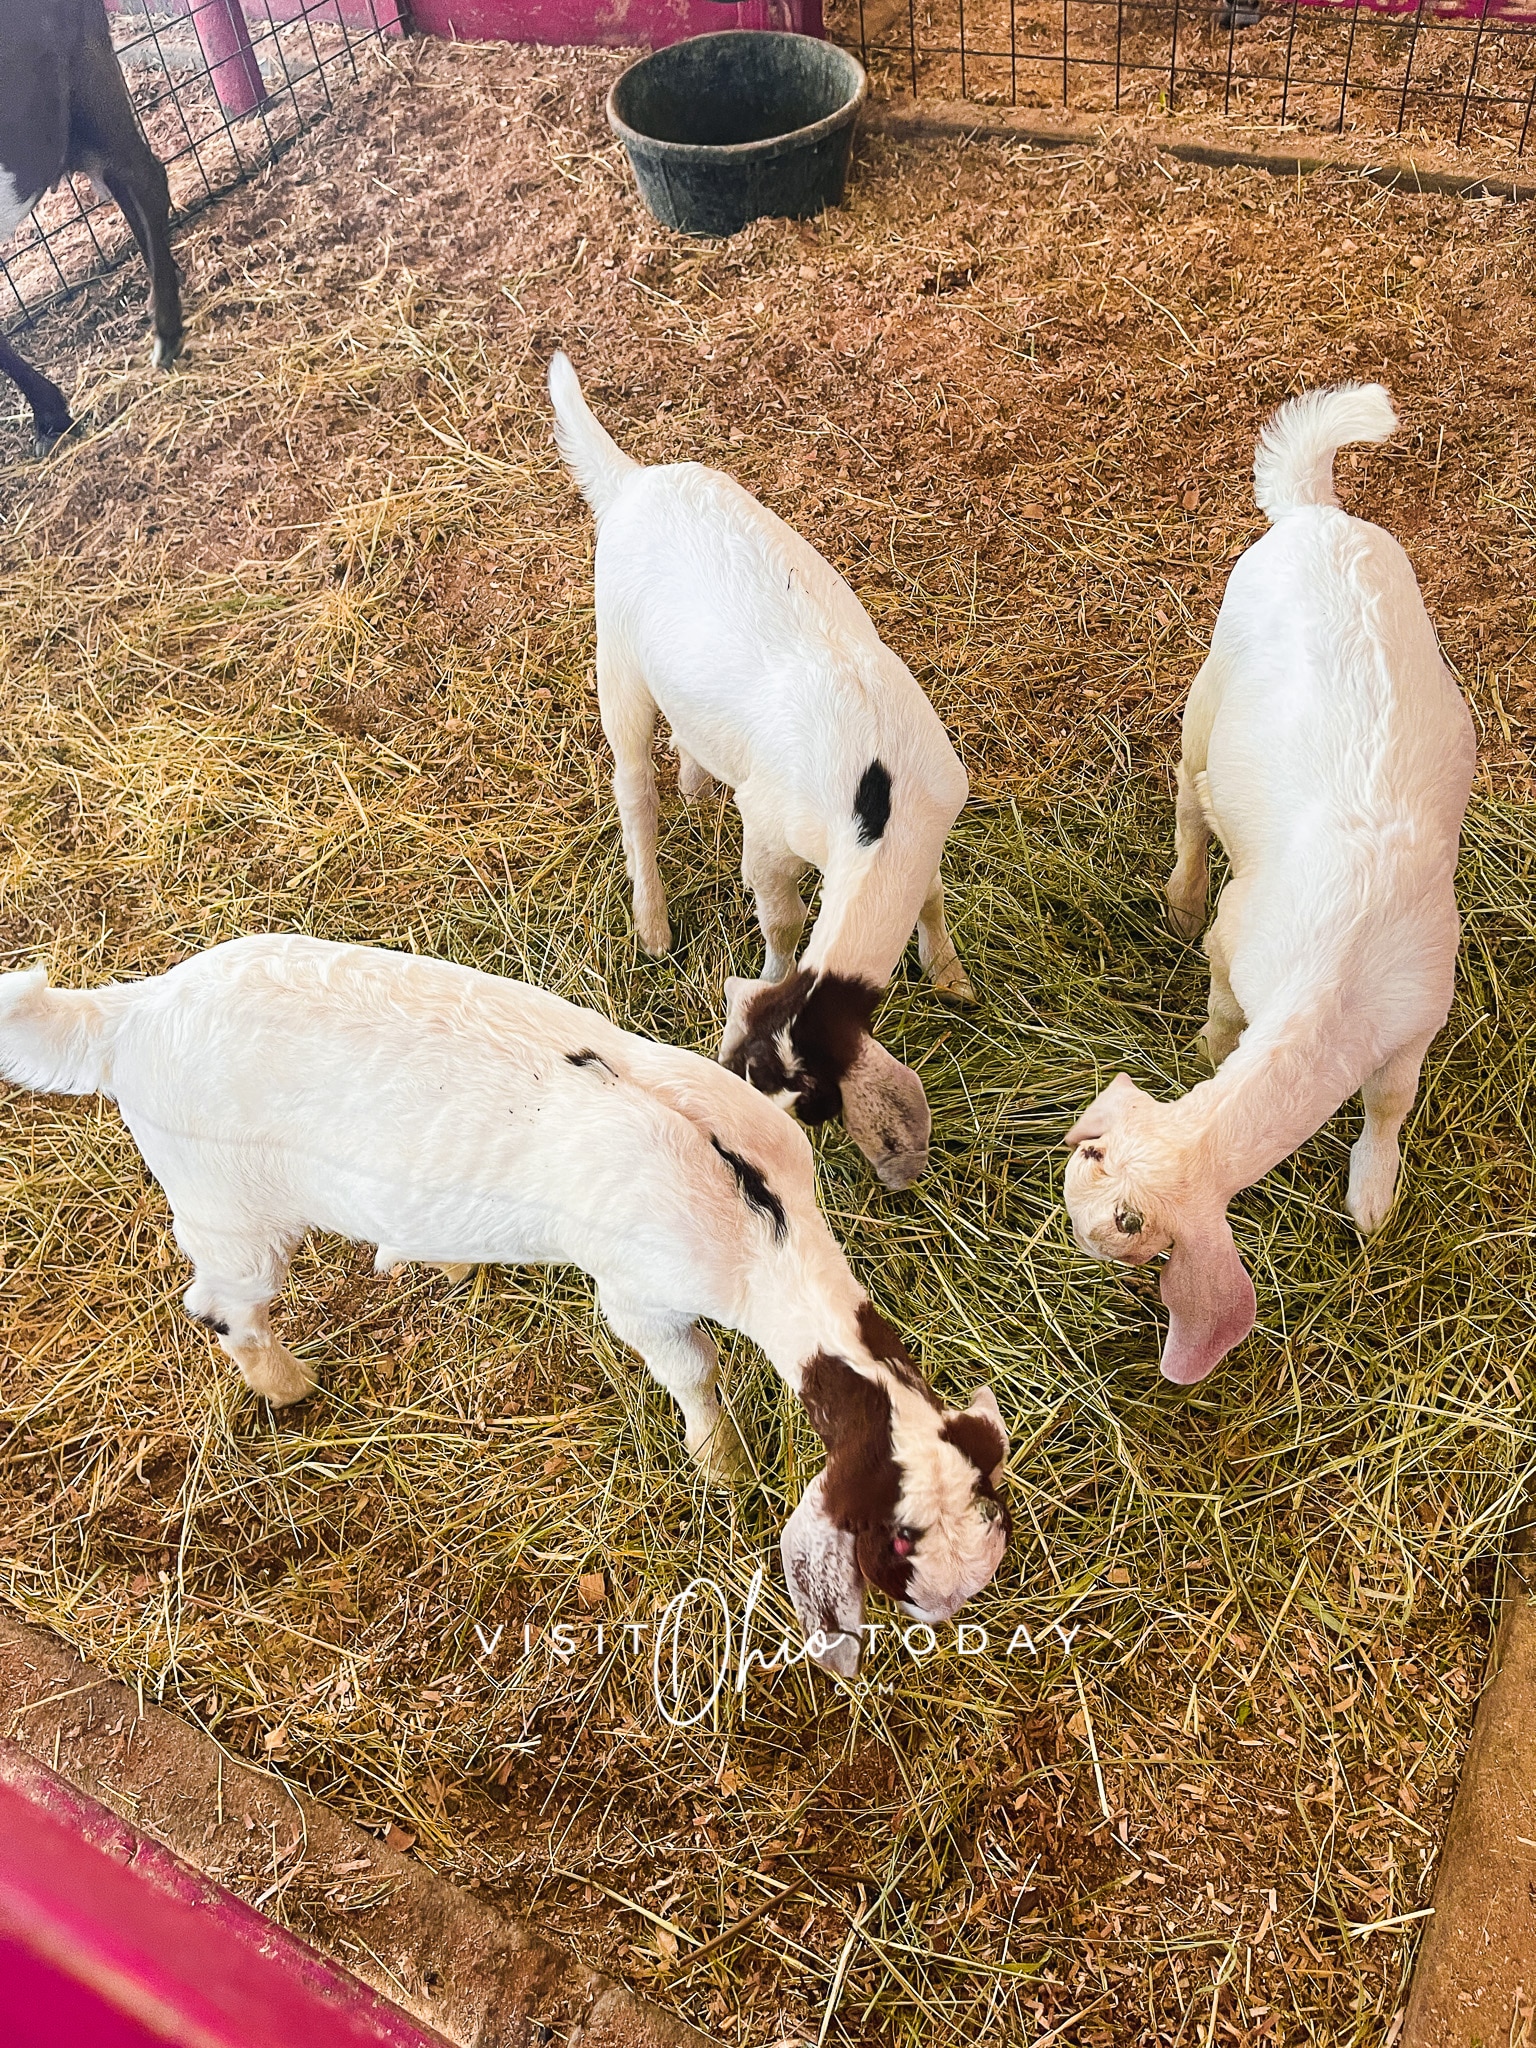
x=770, y=673
x=806, y=1042
x=908, y=1500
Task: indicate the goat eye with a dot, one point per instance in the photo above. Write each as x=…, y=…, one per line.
x=1128, y=1223
x=905, y=1541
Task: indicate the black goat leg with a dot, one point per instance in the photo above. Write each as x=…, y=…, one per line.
x=107, y=142
x=50, y=408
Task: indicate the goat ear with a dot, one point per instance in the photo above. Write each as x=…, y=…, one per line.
x=824, y=1582
x=1209, y=1297
x=887, y=1114
x=1105, y=1110
x=984, y=1404
x=738, y=993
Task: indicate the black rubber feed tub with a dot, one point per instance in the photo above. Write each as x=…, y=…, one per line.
x=722, y=129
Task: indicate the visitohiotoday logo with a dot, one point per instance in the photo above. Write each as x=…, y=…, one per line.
x=705, y=1642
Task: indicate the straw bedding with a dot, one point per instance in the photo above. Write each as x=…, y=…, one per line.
x=301, y=638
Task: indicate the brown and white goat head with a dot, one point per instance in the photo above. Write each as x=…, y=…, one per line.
x=806, y=1043
x=1130, y=1196
x=907, y=1501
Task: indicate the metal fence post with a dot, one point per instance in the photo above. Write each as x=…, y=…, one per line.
x=225, y=42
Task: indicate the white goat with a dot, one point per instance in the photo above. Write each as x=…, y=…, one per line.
x=281, y=1084
x=1328, y=748
x=774, y=681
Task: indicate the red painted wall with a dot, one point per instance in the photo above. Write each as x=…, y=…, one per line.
x=108, y=1941
x=651, y=22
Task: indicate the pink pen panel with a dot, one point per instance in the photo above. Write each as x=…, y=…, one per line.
x=222, y=24
x=652, y=22
x=108, y=1941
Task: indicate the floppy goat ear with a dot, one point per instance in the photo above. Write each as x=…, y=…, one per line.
x=824, y=1582
x=1209, y=1297
x=738, y=993
x=1104, y=1112
x=887, y=1114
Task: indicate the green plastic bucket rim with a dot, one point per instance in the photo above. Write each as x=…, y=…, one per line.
x=766, y=145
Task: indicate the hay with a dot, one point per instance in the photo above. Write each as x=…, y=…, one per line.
x=366, y=713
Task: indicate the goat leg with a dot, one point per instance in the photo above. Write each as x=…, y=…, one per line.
x=144, y=195
x=107, y=142
x=50, y=408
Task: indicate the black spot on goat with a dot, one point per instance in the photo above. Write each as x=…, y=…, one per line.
x=587, y=1058
x=872, y=802
x=755, y=1190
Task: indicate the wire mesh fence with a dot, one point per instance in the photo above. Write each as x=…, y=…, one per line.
x=1460, y=73
x=221, y=86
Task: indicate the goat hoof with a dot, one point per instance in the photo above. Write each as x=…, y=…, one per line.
x=456, y=1271
x=289, y=1383
x=272, y=1371
x=1368, y=1206
x=1216, y=1043
x=655, y=939
x=720, y=1456
x=693, y=782
x=1186, y=924
x=46, y=438
x=954, y=986
x=165, y=351
x=287, y=1399
x=1369, y=1217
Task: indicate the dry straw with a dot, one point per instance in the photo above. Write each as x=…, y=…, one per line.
x=1221, y=1806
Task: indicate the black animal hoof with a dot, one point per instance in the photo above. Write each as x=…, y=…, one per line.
x=166, y=349
x=47, y=435
x=1240, y=14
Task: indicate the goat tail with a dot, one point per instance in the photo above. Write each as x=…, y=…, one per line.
x=1294, y=462
x=593, y=457
x=58, y=1040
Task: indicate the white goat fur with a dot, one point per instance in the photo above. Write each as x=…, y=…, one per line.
x=281, y=1084
x=1328, y=748
x=774, y=682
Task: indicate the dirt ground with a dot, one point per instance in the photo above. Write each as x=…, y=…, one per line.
x=1014, y=398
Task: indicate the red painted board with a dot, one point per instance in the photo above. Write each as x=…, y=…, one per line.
x=109, y=1941
x=651, y=22
x=262, y=15
x=362, y=14
x=1425, y=13
x=45, y=2008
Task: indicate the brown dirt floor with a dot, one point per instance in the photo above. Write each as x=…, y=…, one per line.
x=1014, y=398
